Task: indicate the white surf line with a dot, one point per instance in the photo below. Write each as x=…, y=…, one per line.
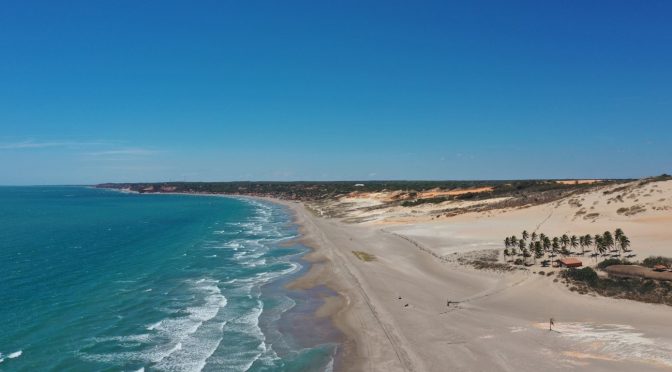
x=13, y=355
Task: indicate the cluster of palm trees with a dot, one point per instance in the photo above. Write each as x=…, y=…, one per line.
x=538, y=245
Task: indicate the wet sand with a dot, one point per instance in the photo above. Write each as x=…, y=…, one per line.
x=396, y=317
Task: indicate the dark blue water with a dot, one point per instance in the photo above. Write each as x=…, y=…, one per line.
x=99, y=280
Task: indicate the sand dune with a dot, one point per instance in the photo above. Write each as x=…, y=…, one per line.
x=415, y=308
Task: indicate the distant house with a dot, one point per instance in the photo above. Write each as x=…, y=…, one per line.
x=569, y=262
x=659, y=268
x=359, y=185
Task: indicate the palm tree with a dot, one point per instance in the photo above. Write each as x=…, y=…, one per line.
x=521, y=245
x=526, y=254
x=555, y=245
x=507, y=242
x=538, y=251
x=546, y=243
x=597, y=241
x=534, y=236
x=574, y=242
x=530, y=249
x=506, y=254
x=588, y=240
x=618, y=233
x=582, y=243
x=599, y=244
x=564, y=240
x=608, y=240
x=525, y=235
x=624, y=242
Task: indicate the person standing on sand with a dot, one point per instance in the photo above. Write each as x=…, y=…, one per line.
x=550, y=324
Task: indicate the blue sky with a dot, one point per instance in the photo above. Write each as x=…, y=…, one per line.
x=97, y=91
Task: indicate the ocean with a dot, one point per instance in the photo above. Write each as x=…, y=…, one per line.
x=98, y=280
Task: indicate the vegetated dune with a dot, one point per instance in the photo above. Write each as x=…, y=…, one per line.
x=577, y=182
x=643, y=209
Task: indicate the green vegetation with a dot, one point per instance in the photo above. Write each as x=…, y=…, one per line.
x=657, y=260
x=586, y=280
x=662, y=177
x=323, y=190
x=435, y=200
x=303, y=190
x=586, y=275
x=366, y=257
x=538, y=246
x=613, y=261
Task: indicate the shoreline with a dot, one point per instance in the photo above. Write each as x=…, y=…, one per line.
x=396, y=316
x=321, y=273
x=316, y=275
x=371, y=343
x=413, y=308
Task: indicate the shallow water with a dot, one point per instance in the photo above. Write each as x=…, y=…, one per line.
x=101, y=280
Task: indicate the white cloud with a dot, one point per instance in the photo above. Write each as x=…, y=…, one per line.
x=30, y=144
x=130, y=151
x=107, y=149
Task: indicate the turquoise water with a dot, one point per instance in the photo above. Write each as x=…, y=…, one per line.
x=95, y=280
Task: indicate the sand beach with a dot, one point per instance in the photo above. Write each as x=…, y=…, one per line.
x=414, y=306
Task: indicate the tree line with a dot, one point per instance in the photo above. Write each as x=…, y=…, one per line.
x=539, y=245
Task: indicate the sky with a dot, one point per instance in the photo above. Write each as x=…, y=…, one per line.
x=138, y=91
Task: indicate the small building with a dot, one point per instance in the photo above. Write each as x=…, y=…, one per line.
x=659, y=268
x=569, y=262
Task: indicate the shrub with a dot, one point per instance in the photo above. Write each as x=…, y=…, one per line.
x=612, y=261
x=434, y=200
x=366, y=257
x=586, y=275
x=647, y=286
x=518, y=261
x=657, y=260
x=467, y=196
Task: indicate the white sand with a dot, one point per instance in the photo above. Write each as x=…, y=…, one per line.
x=500, y=321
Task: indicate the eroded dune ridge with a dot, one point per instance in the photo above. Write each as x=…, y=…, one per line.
x=415, y=306
x=596, y=200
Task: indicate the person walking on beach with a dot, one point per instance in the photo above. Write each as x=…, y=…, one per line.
x=550, y=324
